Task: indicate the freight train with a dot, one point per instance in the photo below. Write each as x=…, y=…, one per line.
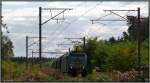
x=72, y=63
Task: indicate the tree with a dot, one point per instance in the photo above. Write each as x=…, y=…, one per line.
x=91, y=45
x=133, y=25
x=125, y=36
x=111, y=40
x=6, y=46
x=101, y=56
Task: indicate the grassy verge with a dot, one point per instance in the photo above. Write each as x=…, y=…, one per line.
x=12, y=71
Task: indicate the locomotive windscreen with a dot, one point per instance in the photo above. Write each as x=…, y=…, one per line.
x=76, y=58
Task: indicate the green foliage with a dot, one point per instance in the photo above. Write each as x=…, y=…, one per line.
x=133, y=28
x=125, y=58
x=119, y=54
x=90, y=48
x=6, y=48
x=145, y=52
x=115, y=56
x=112, y=39
x=6, y=45
x=101, y=55
x=108, y=55
x=10, y=70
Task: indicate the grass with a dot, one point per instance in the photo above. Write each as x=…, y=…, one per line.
x=20, y=72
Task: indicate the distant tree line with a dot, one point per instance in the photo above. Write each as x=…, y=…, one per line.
x=30, y=59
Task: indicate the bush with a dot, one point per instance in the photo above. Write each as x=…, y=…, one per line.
x=12, y=71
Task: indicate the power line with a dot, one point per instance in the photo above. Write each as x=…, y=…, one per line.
x=59, y=26
x=79, y=17
x=69, y=23
x=138, y=32
x=128, y=12
x=42, y=23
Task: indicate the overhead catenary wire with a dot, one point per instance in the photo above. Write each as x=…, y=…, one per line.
x=108, y=15
x=115, y=21
x=128, y=12
x=53, y=33
x=83, y=14
x=79, y=17
x=64, y=21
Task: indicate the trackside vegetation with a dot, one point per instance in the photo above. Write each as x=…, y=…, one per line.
x=114, y=59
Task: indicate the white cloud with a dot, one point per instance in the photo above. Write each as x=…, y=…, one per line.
x=23, y=17
x=14, y=3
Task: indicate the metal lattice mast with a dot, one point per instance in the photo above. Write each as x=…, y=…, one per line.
x=28, y=45
x=42, y=23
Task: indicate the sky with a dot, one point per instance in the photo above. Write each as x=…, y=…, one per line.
x=22, y=20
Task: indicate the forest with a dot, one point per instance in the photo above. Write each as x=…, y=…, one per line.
x=106, y=59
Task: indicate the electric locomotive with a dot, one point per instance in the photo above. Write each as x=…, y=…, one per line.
x=77, y=63
x=72, y=63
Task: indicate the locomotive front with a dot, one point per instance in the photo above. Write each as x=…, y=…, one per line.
x=77, y=63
